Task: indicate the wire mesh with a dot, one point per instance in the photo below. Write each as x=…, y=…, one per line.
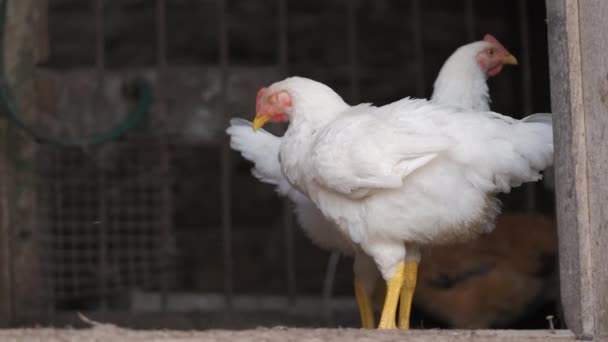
x=107, y=213
x=118, y=190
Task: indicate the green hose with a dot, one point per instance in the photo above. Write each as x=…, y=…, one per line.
x=8, y=108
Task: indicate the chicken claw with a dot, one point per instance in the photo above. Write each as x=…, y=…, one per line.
x=364, y=302
x=407, y=294
x=393, y=288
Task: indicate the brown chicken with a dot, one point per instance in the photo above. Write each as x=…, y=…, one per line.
x=494, y=280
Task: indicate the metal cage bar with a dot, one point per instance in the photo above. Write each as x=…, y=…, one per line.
x=102, y=222
x=58, y=239
x=101, y=229
x=353, y=55
x=161, y=34
x=283, y=46
x=355, y=91
x=469, y=20
x=416, y=15
x=161, y=65
x=288, y=224
x=226, y=165
x=100, y=49
x=526, y=88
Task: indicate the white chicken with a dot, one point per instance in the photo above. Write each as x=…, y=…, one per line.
x=396, y=177
x=461, y=82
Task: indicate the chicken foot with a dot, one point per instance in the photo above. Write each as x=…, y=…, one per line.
x=364, y=302
x=393, y=289
x=407, y=293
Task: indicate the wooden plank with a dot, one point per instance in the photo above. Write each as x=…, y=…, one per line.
x=565, y=167
x=594, y=59
x=19, y=225
x=579, y=94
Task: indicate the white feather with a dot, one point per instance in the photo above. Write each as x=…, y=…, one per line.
x=261, y=148
x=473, y=155
x=460, y=83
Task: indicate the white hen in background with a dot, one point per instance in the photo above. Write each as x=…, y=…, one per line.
x=396, y=177
x=461, y=82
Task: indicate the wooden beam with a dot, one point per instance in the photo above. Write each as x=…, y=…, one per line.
x=579, y=92
x=20, y=277
x=594, y=53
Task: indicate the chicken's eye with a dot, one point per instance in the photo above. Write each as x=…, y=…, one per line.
x=491, y=52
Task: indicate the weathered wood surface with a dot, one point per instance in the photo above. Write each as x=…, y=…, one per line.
x=594, y=53
x=20, y=279
x=578, y=41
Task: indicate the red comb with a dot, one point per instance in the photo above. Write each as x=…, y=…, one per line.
x=491, y=39
x=261, y=93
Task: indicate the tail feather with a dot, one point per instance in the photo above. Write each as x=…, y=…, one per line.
x=546, y=118
x=515, y=152
x=261, y=148
x=532, y=149
x=539, y=150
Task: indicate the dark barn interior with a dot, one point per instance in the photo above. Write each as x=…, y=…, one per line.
x=143, y=216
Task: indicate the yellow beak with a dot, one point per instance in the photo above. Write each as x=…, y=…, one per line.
x=510, y=59
x=259, y=121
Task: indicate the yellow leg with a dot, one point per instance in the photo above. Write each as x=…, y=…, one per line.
x=393, y=288
x=364, y=301
x=407, y=294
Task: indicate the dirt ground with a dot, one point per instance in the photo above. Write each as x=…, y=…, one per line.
x=108, y=332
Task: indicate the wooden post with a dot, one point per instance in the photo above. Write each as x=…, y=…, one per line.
x=20, y=276
x=578, y=56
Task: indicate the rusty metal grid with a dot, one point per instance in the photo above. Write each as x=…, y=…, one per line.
x=103, y=213
x=106, y=212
